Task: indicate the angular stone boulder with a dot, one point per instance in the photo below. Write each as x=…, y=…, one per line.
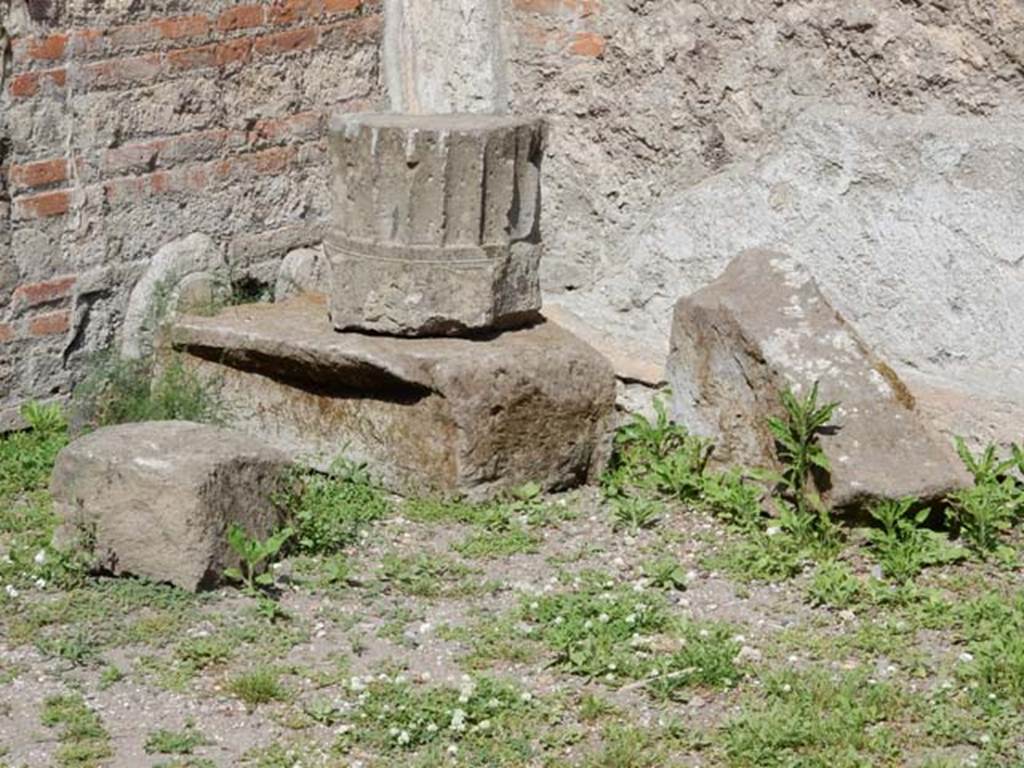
x=155, y=499
x=435, y=222
x=471, y=416
x=762, y=326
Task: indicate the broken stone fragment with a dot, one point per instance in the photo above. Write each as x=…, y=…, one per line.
x=763, y=326
x=471, y=416
x=435, y=223
x=156, y=499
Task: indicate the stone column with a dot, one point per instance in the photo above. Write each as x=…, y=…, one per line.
x=435, y=227
x=444, y=56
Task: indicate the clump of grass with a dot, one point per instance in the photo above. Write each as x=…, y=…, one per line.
x=119, y=391
x=259, y=685
x=607, y=632
x=166, y=742
x=815, y=718
x=84, y=741
x=483, y=714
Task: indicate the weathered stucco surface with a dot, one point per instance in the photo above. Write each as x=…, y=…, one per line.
x=877, y=142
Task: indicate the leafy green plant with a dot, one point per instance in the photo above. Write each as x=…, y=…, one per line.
x=833, y=584
x=902, y=545
x=634, y=513
x=801, y=455
x=329, y=511
x=254, y=555
x=987, y=510
x=730, y=497
x=665, y=573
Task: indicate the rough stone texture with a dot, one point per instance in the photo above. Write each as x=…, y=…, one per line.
x=127, y=125
x=435, y=226
x=304, y=270
x=764, y=326
x=679, y=137
x=469, y=415
x=442, y=56
x=174, y=267
x=156, y=499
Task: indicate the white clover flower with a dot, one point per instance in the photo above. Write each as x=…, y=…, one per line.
x=458, y=720
x=588, y=624
x=631, y=619
x=604, y=618
x=11, y=591
x=431, y=727
x=704, y=633
x=356, y=684
x=40, y=557
x=453, y=749
x=965, y=657
x=40, y=583
x=484, y=725
x=787, y=688
x=558, y=620
x=773, y=530
x=403, y=738
x=526, y=696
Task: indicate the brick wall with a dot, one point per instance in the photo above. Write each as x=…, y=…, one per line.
x=123, y=130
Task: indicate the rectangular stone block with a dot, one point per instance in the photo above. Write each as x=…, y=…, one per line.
x=470, y=416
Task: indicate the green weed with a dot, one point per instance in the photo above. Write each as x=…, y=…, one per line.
x=167, y=742
x=254, y=556
x=84, y=741
x=259, y=685
x=902, y=545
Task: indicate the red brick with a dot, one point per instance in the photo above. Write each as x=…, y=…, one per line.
x=6, y=332
x=233, y=51
x=192, y=58
x=85, y=42
x=50, y=324
x=240, y=17
x=179, y=27
x=169, y=151
x=33, y=294
x=291, y=11
x=39, y=48
x=39, y=174
x=342, y=6
x=558, y=7
x=27, y=84
x=133, y=35
x=123, y=71
x=131, y=188
x=588, y=44
x=45, y=204
x=286, y=42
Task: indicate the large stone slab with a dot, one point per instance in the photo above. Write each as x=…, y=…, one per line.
x=448, y=414
x=155, y=499
x=435, y=224
x=762, y=326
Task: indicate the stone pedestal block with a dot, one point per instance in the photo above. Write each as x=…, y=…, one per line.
x=445, y=414
x=435, y=227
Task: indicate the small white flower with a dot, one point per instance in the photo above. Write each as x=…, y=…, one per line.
x=40, y=557
x=604, y=618
x=773, y=530
x=484, y=725
x=526, y=696
x=588, y=624
x=966, y=657
x=431, y=728
x=403, y=737
x=631, y=619
x=559, y=620
x=458, y=720
x=452, y=749
x=704, y=633
x=11, y=591
x=787, y=688
x=40, y=583
x=356, y=684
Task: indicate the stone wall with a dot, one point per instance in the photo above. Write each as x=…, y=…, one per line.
x=879, y=141
x=127, y=125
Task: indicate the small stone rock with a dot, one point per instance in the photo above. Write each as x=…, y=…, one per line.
x=763, y=326
x=156, y=499
x=304, y=270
